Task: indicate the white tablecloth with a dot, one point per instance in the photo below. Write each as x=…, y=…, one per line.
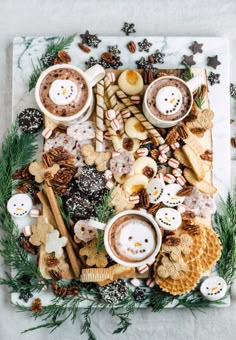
x=106, y=17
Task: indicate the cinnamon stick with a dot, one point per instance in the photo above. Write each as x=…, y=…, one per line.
x=62, y=229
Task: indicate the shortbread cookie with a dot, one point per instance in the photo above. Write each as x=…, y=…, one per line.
x=203, y=186
x=195, y=162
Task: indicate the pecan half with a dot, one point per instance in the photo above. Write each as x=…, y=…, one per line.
x=172, y=137
x=151, y=59
x=233, y=142
x=198, y=131
x=154, y=140
x=147, y=77
x=187, y=191
x=148, y=172
x=132, y=47
x=183, y=131
x=144, y=199
x=192, y=229
x=84, y=48
x=172, y=240
x=64, y=56
x=154, y=208
x=154, y=154
x=207, y=156
x=108, y=57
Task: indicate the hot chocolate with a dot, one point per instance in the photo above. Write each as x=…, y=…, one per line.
x=63, y=92
x=168, y=99
x=132, y=238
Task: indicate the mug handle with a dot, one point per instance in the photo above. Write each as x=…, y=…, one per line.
x=96, y=224
x=95, y=74
x=194, y=83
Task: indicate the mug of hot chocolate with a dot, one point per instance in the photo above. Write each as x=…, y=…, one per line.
x=132, y=238
x=169, y=99
x=64, y=92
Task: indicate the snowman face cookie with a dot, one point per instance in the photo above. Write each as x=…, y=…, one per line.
x=82, y=131
x=19, y=205
x=83, y=232
x=213, y=288
x=168, y=218
x=155, y=190
x=136, y=240
x=168, y=100
x=63, y=91
x=170, y=198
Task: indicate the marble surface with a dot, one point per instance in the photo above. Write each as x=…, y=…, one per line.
x=163, y=17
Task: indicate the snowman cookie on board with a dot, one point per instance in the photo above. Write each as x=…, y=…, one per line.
x=19, y=205
x=168, y=218
x=213, y=288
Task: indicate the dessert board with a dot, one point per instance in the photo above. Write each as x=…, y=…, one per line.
x=216, y=139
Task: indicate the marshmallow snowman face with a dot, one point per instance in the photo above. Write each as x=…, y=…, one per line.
x=63, y=91
x=19, y=205
x=213, y=288
x=137, y=241
x=155, y=190
x=170, y=197
x=168, y=100
x=168, y=218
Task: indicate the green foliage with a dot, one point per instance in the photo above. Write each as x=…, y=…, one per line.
x=187, y=74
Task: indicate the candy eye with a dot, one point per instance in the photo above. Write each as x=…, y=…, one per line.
x=146, y=240
x=22, y=204
x=166, y=99
x=166, y=214
x=173, y=218
x=14, y=205
x=168, y=194
x=82, y=228
x=130, y=238
x=207, y=288
x=172, y=94
x=90, y=231
x=219, y=284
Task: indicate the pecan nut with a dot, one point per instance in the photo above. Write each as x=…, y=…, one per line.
x=132, y=47
x=148, y=172
x=172, y=137
x=207, y=156
x=151, y=59
x=183, y=131
x=154, y=154
x=233, y=142
x=144, y=200
x=154, y=208
x=84, y=48
x=108, y=57
x=64, y=56
x=192, y=229
x=187, y=191
x=172, y=241
x=147, y=77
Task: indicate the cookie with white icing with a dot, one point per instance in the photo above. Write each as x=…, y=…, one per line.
x=19, y=205
x=170, y=197
x=155, y=190
x=213, y=288
x=168, y=218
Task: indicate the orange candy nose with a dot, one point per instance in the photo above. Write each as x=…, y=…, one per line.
x=64, y=92
x=172, y=100
x=19, y=209
x=214, y=289
x=155, y=193
x=137, y=244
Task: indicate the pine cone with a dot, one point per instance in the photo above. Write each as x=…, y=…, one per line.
x=37, y=306
x=73, y=290
x=52, y=261
x=55, y=275
x=25, y=243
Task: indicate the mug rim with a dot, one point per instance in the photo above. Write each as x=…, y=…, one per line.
x=151, y=219
x=159, y=119
x=40, y=104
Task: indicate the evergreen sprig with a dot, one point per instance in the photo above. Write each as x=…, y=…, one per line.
x=53, y=48
x=187, y=74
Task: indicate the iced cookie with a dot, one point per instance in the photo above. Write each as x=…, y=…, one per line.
x=83, y=232
x=19, y=205
x=170, y=197
x=60, y=139
x=213, y=288
x=55, y=243
x=131, y=82
x=82, y=131
x=168, y=218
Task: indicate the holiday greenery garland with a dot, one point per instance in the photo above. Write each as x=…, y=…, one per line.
x=17, y=151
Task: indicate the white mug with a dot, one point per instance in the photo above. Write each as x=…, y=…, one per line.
x=192, y=85
x=106, y=227
x=91, y=76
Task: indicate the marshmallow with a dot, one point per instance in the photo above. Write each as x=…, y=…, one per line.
x=109, y=185
x=27, y=230
x=135, y=282
x=46, y=133
x=168, y=178
x=162, y=158
x=150, y=283
x=173, y=163
x=135, y=99
x=134, y=199
x=177, y=172
x=108, y=174
x=160, y=176
x=181, y=180
x=142, y=269
x=115, y=154
x=34, y=212
x=175, y=146
x=142, y=152
x=164, y=148
x=110, y=114
x=126, y=113
x=115, y=125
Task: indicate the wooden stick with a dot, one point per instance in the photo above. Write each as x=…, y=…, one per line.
x=62, y=228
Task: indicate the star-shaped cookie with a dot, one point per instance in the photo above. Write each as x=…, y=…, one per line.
x=213, y=61
x=188, y=60
x=196, y=47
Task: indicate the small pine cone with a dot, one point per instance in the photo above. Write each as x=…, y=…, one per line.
x=144, y=199
x=172, y=241
x=73, y=290
x=55, y=275
x=52, y=261
x=37, y=306
x=25, y=243
x=154, y=154
x=172, y=137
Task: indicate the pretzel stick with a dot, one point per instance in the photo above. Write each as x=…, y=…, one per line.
x=113, y=102
x=138, y=114
x=62, y=229
x=100, y=116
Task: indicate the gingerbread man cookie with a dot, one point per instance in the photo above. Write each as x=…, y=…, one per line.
x=93, y=257
x=120, y=200
x=92, y=157
x=171, y=269
x=38, y=170
x=184, y=247
x=40, y=231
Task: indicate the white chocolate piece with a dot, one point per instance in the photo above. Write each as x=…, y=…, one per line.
x=213, y=288
x=181, y=180
x=115, y=125
x=19, y=205
x=27, y=230
x=155, y=190
x=135, y=282
x=34, y=212
x=169, y=100
x=150, y=283
x=63, y=91
x=175, y=146
x=110, y=114
x=55, y=243
x=46, y=133
x=162, y=158
x=142, y=152
x=173, y=163
x=168, y=218
x=108, y=174
x=164, y=148
x=168, y=178
x=135, y=99
x=134, y=199
x=177, y=172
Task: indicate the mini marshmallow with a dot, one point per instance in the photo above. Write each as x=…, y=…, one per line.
x=27, y=230
x=181, y=208
x=109, y=185
x=142, y=269
x=34, y=212
x=160, y=176
x=110, y=114
x=126, y=113
x=173, y=163
x=164, y=148
x=108, y=174
x=115, y=125
x=177, y=172
x=115, y=154
x=45, y=287
x=135, y=282
x=135, y=99
x=46, y=133
x=181, y=180
x=150, y=283
x=168, y=178
x=111, y=76
x=142, y=152
x=175, y=146
x=162, y=158
x=107, y=136
x=134, y=199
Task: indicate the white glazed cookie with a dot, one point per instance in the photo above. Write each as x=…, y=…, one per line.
x=82, y=131
x=213, y=288
x=168, y=218
x=155, y=190
x=55, y=243
x=170, y=197
x=19, y=205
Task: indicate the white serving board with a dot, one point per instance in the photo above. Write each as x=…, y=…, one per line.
x=28, y=49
